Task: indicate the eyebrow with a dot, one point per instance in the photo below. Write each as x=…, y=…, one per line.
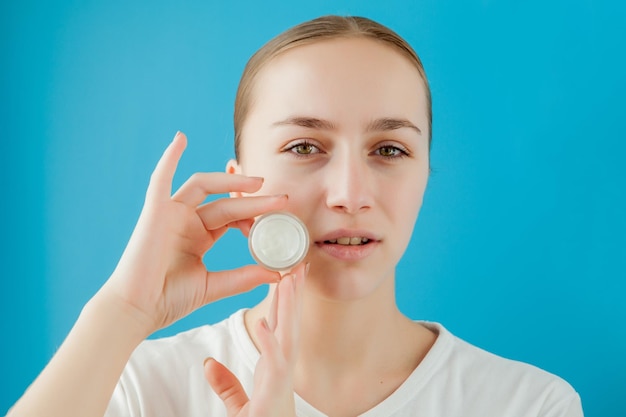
x=389, y=123
x=308, y=122
x=378, y=125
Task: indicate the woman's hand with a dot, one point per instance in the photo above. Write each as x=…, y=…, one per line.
x=161, y=276
x=273, y=377
x=159, y=279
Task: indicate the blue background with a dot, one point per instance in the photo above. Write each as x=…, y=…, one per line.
x=521, y=244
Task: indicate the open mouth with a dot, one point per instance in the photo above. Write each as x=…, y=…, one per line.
x=348, y=241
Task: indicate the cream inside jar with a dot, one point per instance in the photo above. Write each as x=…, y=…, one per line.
x=278, y=241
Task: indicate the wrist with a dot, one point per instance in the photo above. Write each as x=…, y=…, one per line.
x=117, y=317
x=96, y=350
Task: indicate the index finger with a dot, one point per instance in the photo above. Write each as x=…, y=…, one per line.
x=288, y=311
x=160, y=186
x=202, y=184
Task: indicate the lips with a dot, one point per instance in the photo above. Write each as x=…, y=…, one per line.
x=348, y=245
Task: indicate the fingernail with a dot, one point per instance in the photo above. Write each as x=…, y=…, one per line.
x=287, y=276
x=306, y=268
x=280, y=196
x=292, y=277
x=264, y=323
x=206, y=360
x=177, y=134
x=258, y=178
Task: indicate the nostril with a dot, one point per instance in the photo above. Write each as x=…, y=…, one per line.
x=348, y=189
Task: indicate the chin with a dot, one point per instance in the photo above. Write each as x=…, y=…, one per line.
x=349, y=284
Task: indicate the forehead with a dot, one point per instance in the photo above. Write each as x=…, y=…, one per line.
x=345, y=80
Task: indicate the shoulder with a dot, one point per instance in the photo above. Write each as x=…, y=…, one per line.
x=227, y=341
x=487, y=378
x=200, y=340
x=166, y=375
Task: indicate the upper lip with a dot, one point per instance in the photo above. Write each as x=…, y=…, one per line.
x=336, y=234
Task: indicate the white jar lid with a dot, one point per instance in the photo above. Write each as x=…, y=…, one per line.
x=278, y=241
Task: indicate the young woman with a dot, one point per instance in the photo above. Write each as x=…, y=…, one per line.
x=332, y=124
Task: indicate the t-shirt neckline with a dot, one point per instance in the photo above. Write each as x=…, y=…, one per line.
x=404, y=393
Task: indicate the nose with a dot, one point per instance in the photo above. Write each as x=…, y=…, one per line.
x=348, y=188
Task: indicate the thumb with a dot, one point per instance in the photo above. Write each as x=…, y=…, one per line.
x=221, y=284
x=226, y=385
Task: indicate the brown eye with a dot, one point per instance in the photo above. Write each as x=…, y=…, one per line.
x=304, y=149
x=391, y=152
x=388, y=151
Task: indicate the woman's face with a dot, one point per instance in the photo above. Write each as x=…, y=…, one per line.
x=341, y=127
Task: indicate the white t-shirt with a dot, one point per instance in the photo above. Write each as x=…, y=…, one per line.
x=165, y=377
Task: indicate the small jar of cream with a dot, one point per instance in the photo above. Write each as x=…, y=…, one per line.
x=278, y=241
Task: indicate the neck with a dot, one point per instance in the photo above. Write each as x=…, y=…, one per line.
x=361, y=348
x=341, y=335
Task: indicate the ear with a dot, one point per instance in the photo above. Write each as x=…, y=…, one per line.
x=233, y=167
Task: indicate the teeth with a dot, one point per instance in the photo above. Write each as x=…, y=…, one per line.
x=349, y=241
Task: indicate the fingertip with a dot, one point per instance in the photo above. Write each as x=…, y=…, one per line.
x=247, y=184
x=161, y=179
x=273, y=277
x=286, y=277
x=226, y=385
x=262, y=329
x=245, y=230
x=174, y=151
x=266, y=276
x=208, y=366
x=211, y=367
x=263, y=325
x=180, y=138
x=267, y=340
x=284, y=197
x=244, y=226
x=288, y=280
x=256, y=183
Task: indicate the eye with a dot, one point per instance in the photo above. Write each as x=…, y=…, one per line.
x=302, y=148
x=391, y=152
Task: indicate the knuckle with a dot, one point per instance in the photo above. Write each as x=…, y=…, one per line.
x=226, y=210
x=195, y=178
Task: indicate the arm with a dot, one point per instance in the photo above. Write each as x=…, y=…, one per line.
x=159, y=279
x=80, y=379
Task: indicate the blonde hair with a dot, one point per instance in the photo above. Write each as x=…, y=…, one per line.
x=322, y=28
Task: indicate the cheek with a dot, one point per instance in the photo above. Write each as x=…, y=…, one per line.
x=408, y=211
x=281, y=180
x=404, y=201
x=303, y=192
x=301, y=200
